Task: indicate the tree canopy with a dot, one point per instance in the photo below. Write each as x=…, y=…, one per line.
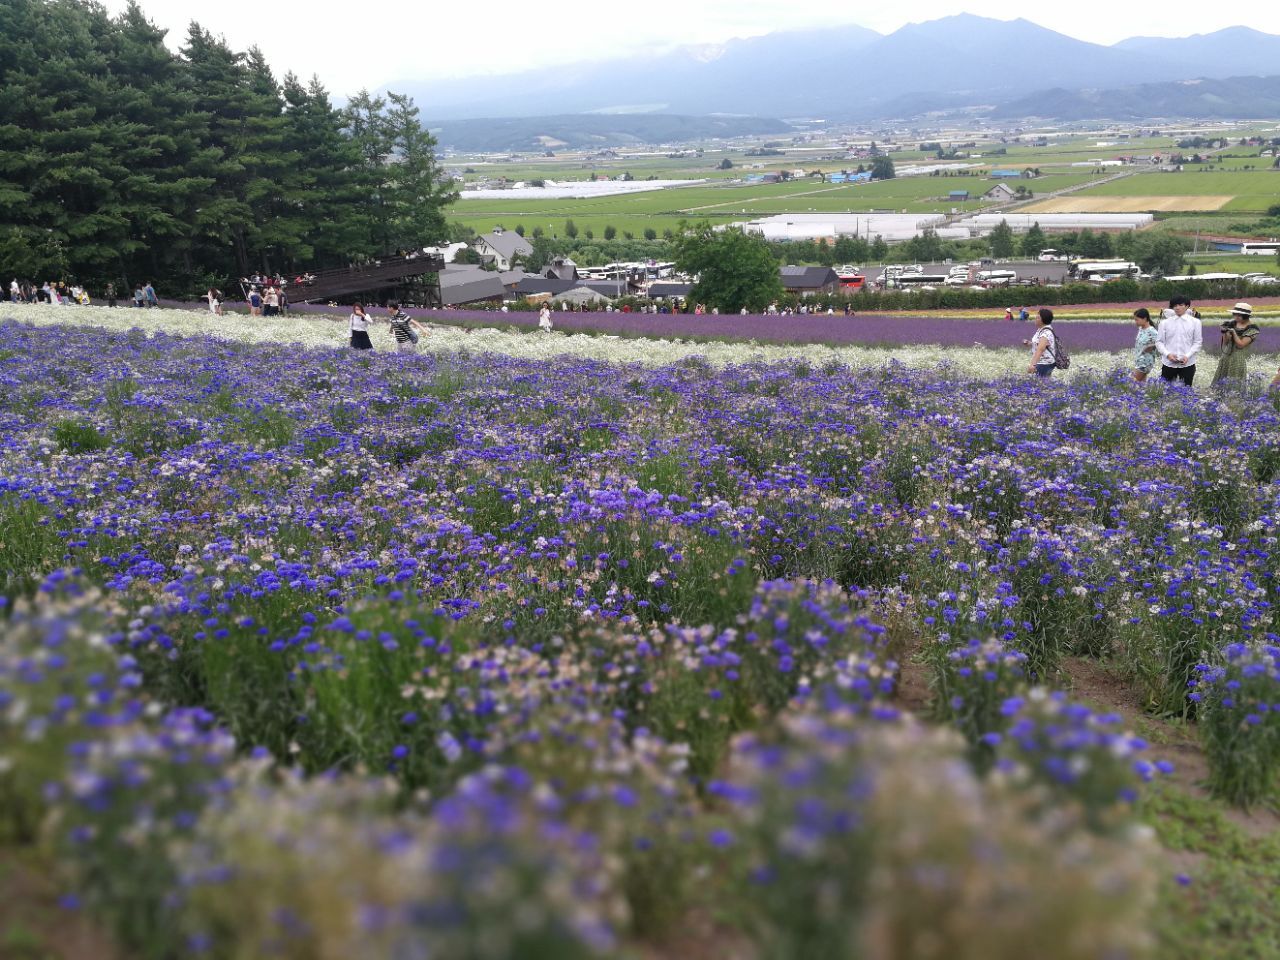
x=124, y=161
x=1001, y=240
x=734, y=269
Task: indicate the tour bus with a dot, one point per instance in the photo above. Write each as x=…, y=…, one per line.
x=1049, y=255
x=1181, y=278
x=851, y=278
x=997, y=278
x=1260, y=248
x=904, y=280
x=1103, y=270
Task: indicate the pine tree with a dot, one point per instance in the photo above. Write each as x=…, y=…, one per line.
x=330, y=180
x=367, y=127
x=418, y=189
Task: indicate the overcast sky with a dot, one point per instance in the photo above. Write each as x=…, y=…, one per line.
x=370, y=43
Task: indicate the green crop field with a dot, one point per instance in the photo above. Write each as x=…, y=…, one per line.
x=1225, y=263
x=1254, y=190
x=719, y=202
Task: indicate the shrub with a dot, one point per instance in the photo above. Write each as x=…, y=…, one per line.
x=78, y=436
x=1240, y=721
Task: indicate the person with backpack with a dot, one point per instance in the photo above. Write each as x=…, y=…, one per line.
x=1044, y=345
x=402, y=328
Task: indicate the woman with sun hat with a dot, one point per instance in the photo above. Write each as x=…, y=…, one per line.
x=1238, y=335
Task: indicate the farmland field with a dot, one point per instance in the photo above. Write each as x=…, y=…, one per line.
x=663, y=209
x=485, y=654
x=1126, y=204
x=1249, y=191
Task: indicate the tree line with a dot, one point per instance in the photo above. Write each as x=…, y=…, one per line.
x=121, y=161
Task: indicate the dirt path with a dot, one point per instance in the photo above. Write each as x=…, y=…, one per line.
x=1093, y=683
x=34, y=925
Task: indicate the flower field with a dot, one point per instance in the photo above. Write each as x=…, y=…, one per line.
x=563, y=646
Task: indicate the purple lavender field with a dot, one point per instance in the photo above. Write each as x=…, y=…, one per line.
x=312, y=654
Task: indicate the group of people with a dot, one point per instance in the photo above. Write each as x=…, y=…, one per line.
x=271, y=301
x=57, y=292
x=1179, y=339
x=1176, y=341
x=404, y=328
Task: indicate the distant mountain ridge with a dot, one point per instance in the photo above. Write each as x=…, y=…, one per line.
x=851, y=73
x=585, y=130
x=1237, y=98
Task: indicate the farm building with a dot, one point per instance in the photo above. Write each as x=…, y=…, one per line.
x=1005, y=174
x=674, y=289
x=958, y=195
x=502, y=247
x=809, y=281
x=981, y=224
x=470, y=284
x=1001, y=191
x=815, y=226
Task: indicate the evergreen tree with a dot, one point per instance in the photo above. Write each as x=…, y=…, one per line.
x=121, y=161
x=368, y=129
x=417, y=188
x=330, y=185
x=1034, y=241
x=1001, y=240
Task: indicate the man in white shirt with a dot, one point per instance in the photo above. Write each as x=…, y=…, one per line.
x=1178, y=341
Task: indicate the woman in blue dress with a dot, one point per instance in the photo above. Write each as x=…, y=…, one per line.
x=1144, y=346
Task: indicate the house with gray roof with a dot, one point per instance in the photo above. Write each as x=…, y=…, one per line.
x=501, y=247
x=809, y=281
x=470, y=284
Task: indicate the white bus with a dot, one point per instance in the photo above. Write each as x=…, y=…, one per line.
x=916, y=280
x=1267, y=248
x=997, y=278
x=1087, y=270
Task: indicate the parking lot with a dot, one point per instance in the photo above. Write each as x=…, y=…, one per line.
x=1026, y=270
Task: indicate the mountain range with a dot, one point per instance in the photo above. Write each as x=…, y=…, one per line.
x=850, y=73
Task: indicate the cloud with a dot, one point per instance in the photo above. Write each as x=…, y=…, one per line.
x=375, y=42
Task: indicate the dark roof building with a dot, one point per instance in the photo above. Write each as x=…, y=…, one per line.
x=469, y=284
x=670, y=288
x=561, y=268
x=807, y=281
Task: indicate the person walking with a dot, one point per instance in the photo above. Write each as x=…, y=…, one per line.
x=271, y=302
x=544, y=318
x=138, y=296
x=255, y=302
x=1144, y=345
x=1238, y=335
x=402, y=328
x=150, y=291
x=1179, y=341
x=1043, y=344
x=359, y=328
x=111, y=294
